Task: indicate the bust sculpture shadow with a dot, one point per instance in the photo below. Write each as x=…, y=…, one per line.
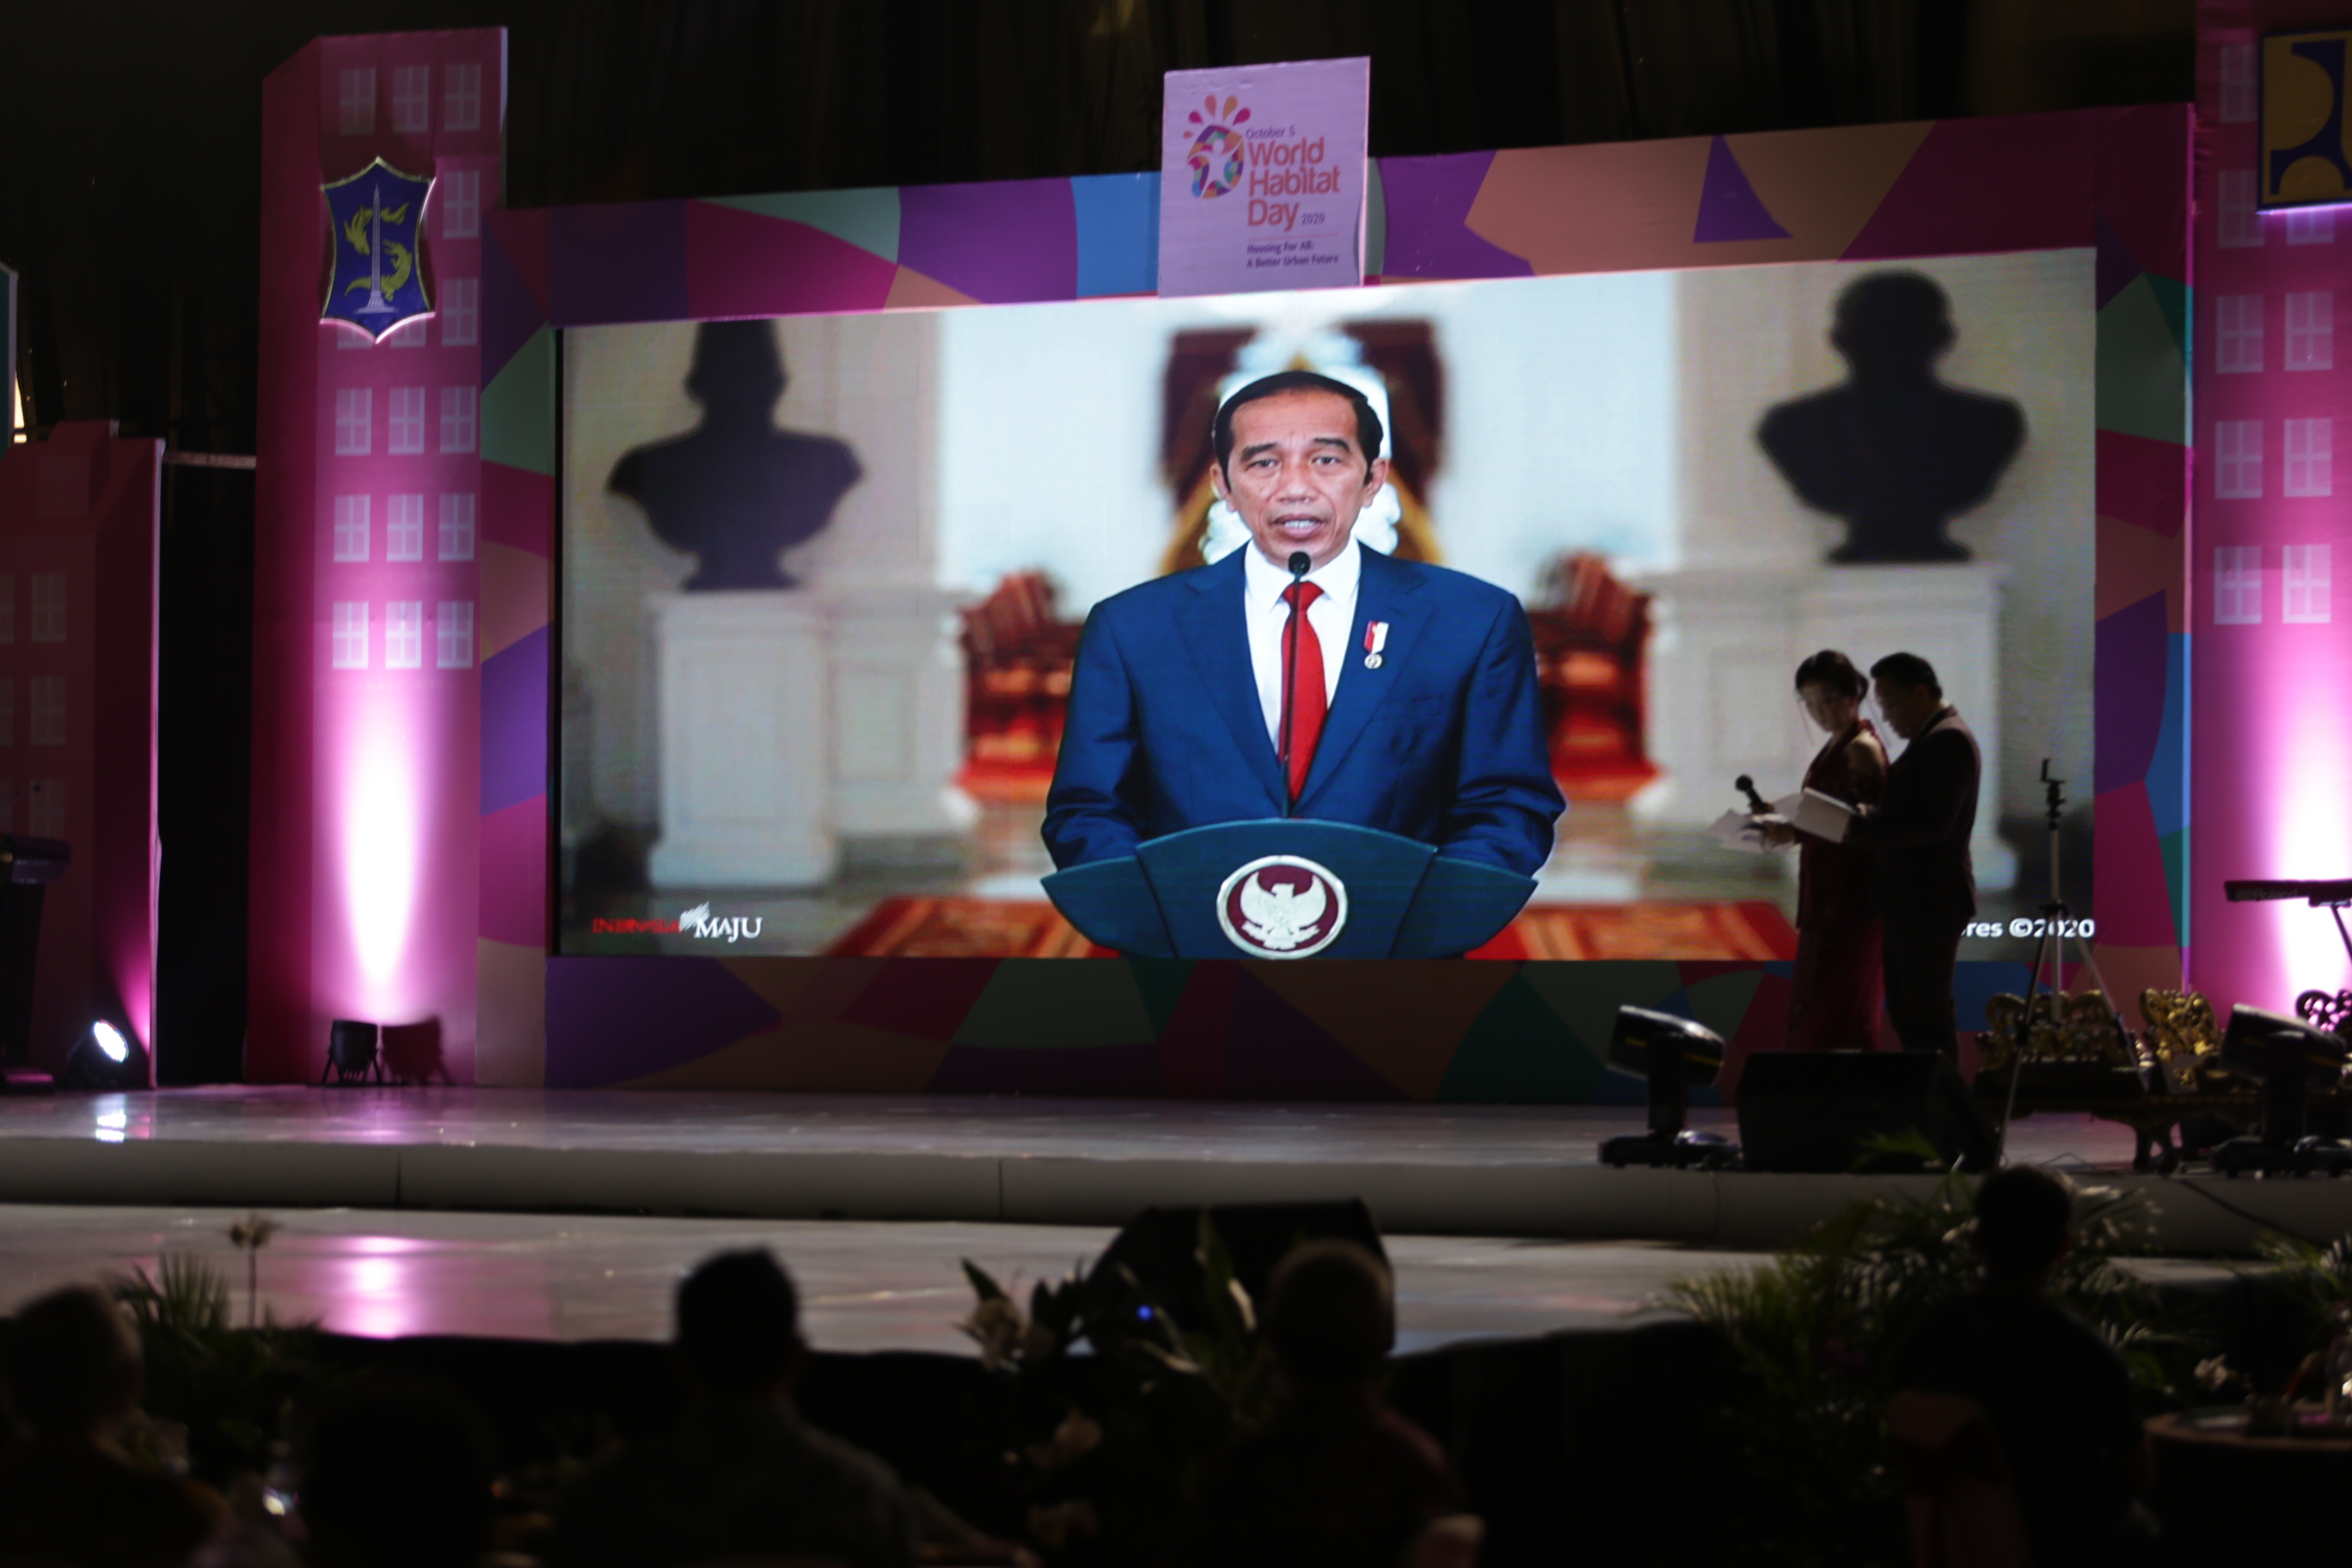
x=736, y=491
x=1893, y=450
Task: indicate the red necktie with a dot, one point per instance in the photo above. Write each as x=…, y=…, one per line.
x=1303, y=705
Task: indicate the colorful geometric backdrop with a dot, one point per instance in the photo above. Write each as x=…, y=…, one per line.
x=2115, y=180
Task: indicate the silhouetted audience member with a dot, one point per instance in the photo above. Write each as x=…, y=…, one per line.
x=2057, y=1395
x=67, y=1496
x=743, y=1477
x=396, y=1473
x=1337, y=1479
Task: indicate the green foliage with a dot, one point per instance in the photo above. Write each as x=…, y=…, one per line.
x=2314, y=1281
x=1908, y=1150
x=2318, y=1279
x=1800, y=1432
x=1108, y=1444
x=231, y=1388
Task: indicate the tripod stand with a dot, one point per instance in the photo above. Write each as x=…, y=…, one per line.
x=2048, y=957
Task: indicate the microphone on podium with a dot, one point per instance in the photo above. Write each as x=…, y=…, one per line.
x=1299, y=564
x=1757, y=804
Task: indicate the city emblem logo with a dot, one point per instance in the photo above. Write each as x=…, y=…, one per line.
x=1218, y=152
x=1282, y=907
x=376, y=219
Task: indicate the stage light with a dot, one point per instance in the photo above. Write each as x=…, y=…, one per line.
x=351, y=1052
x=1670, y=1054
x=106, y=1059
x=2289, y=1059
x=381, y=837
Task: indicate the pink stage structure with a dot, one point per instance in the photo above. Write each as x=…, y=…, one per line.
x=78, y=515
x=370, y=549
x=2271, y=739
x=408, y=523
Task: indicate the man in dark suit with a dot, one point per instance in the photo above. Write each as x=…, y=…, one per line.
x=1410, y=702
x=1925, y=884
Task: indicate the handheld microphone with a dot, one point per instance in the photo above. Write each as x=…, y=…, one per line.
x=1298, y=564
x=1757, y=804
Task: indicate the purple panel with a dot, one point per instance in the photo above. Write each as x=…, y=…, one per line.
x=617, y=264
x=928, y=998
x=1427, y=201
x=513, y=907
x=1728, y=207
x=2130, y=672
x=511, y=313
x=2142, y=480
x=1003, y=244
x=2134, y=897
x=514, y=723
x=742, y=264
x=2014, y=182
x=1118, y=1071
x=1275, y=1052
x=2117, y=265
x=2143, y=182
x=613, y=1019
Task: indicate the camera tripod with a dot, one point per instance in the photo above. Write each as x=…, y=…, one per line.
x=2048, y=957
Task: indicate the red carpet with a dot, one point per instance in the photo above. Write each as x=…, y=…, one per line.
x=989, y=928
x=1753, y=930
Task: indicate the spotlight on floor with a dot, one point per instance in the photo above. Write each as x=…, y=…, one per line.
x=105, y=1058
x=2289, y=1059
x=351, y=1052
x=1670, y=1054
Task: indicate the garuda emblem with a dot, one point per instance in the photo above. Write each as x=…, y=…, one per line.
x=1282, y=907
x=377, y=222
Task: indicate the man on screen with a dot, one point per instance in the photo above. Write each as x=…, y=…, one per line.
x=1412, y=706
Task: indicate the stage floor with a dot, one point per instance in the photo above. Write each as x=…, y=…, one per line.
x=1487, y=1171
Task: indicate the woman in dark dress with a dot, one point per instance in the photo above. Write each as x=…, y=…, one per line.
x=1834, y=997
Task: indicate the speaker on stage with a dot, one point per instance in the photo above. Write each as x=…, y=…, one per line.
x=1162, y=1247
x=1817, y=1110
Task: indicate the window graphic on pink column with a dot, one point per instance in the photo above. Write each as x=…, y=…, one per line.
x=366, y=737
x=2272, y=765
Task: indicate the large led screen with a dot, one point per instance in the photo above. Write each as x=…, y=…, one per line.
x=824, y=579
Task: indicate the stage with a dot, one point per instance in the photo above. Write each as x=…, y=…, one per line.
x=1424, y=1170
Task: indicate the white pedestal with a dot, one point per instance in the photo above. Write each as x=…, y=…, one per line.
x=746, y=778
x=1728, y=646
x=897, y=714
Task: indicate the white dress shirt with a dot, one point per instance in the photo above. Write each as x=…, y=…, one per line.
x=1267, y=615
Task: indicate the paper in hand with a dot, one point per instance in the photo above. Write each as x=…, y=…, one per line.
x=1823, y=816
x=1738, y=831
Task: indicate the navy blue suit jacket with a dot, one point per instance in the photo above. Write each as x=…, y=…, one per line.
x=1445, y=742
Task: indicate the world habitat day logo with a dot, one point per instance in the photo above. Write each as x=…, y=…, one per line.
x=1217, y=152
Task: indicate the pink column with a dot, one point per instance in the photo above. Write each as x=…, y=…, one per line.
x=366, y=684
x=2271, y=552
x=78, y=540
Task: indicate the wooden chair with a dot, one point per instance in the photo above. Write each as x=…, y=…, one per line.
x=1017, y=657
x=1591, y=636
